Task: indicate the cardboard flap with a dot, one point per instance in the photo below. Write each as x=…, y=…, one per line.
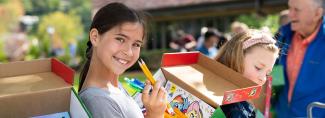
x=23, y=67
x=173, y=59
x=242, y=94
x=62, y=70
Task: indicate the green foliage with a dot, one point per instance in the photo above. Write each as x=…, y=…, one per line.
x=251, y=20
x=2, y=53
x=3, y=1
x=254, y=21
x=67, y=29
x=41, y=7
x=55, y=13
x=10, y=13
x=34, y=51
x=81, y=8
x=272, y=21
x=81, y=49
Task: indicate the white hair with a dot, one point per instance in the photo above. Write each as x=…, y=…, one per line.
x=319, y=3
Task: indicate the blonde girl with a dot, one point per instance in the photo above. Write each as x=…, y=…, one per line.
x=252, y=53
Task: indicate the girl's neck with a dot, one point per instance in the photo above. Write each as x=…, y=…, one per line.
x=99, y=76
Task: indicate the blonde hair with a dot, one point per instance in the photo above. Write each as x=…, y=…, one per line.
x=232, y=53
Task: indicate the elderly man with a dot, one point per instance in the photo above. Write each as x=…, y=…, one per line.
x=303, y=58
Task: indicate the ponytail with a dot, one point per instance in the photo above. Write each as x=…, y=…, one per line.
x=84, y=71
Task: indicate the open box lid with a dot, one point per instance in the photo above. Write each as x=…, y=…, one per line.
x=32, y=76
x=38, y=87
x=207, y=79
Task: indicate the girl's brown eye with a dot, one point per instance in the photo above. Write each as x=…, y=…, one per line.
x=120, y=39
x=137, y=45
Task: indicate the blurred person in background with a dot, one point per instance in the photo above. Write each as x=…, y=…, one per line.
x=212, y=42
x=200, y=39
x=16, y=45
x=208, y=47
x=303, y=59
x=238, y=27
x=183, y=43
x=284, y=17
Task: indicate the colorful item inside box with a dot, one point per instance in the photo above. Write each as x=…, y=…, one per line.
x=188, y=104
x=138, y=86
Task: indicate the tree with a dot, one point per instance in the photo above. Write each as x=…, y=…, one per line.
x=67, y=28
x=41, y=7
x=79, y=8
x=10, y=12
x=75, y=8
x=254, y=21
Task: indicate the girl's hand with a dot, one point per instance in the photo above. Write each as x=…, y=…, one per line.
x=155, y=103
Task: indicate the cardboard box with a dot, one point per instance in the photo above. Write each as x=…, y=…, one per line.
x=36, y=88
x=209, y=80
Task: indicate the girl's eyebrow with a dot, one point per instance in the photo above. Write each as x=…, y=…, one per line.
x=127, y=37
x=123, y=35
x=139, y=41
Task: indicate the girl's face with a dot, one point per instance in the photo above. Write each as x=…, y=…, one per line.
x=119, y=48
x=258, y=64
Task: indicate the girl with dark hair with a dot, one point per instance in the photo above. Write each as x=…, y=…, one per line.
x=115, y=38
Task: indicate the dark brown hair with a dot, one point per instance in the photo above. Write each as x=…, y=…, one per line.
x=109, y=16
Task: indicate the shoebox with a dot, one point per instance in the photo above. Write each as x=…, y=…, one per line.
x=36, y=88
x=193, y=78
